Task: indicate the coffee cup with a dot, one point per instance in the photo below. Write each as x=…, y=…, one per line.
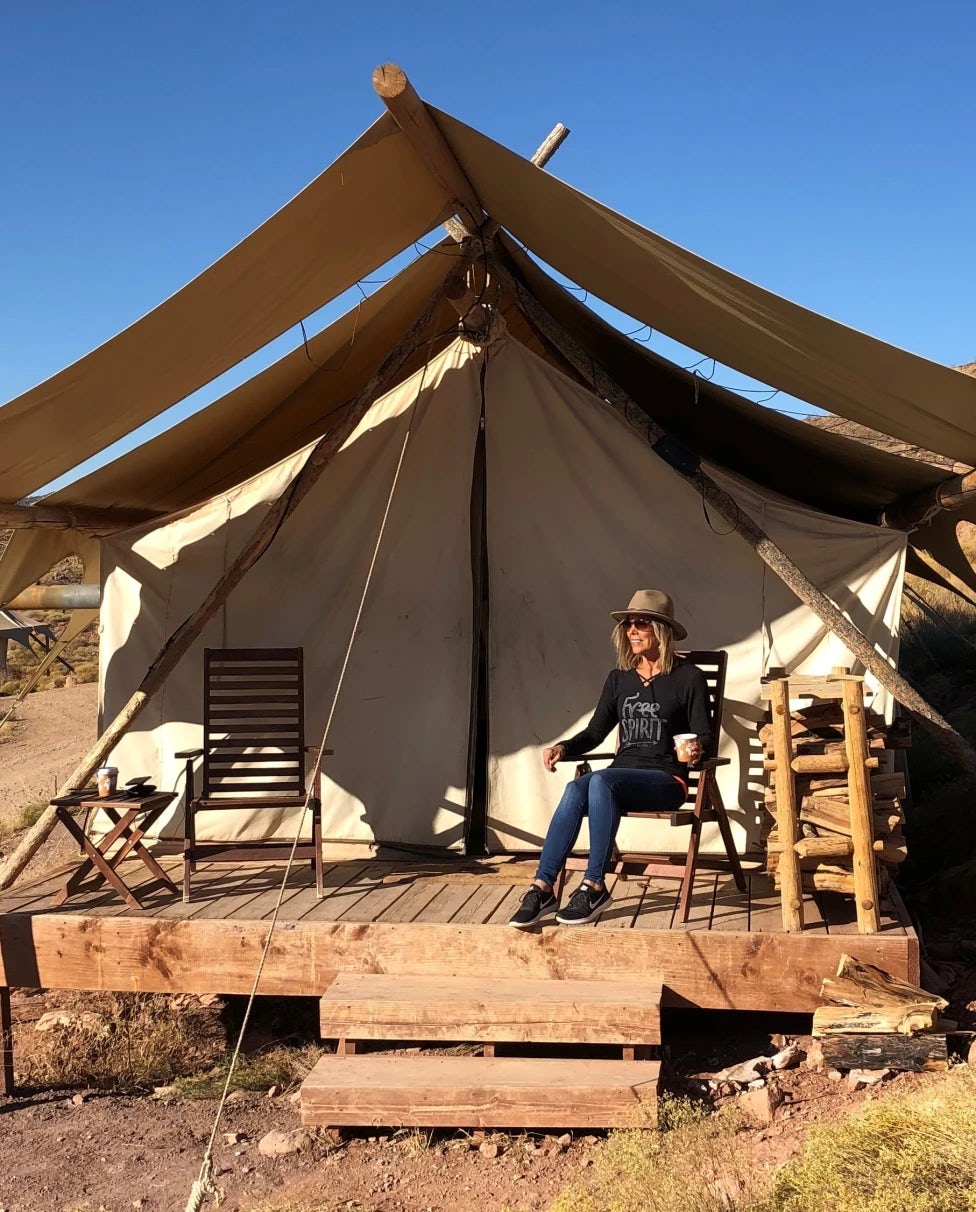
x=107, y=778
x=684, y=746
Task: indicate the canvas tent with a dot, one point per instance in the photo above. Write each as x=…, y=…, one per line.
x=524, y=509
x=19, y=629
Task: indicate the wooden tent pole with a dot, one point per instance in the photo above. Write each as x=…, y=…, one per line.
x=180, y=641
x=68, y=517
x=908, y=513
x=773, y=556
x=417, y=123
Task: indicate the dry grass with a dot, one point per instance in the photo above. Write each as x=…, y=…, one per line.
x=698, y=1162
x=120, y=1041
x=913, y=1153
x=278, y=1065
x=22, y=820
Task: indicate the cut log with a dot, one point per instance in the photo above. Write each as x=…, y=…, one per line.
x=874, y=1020
x=914, y=1053
x=824, y=847
x=860, y=984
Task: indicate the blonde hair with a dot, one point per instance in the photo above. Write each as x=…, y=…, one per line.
x=625, y=656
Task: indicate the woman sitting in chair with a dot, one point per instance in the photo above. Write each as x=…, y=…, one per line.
x=652, y=696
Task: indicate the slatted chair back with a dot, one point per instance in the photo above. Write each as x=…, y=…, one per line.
x=713, y=665
x=253, y=723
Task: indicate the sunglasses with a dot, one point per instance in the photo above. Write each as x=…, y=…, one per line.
x=640, y=621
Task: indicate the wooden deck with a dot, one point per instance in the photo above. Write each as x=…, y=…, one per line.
x=431, y=918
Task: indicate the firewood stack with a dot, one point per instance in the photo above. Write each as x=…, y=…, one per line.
x=874, y=1021
x=821, y=760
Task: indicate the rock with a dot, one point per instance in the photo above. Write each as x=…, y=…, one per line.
x=778, y=1042
x=233, y=1138
x=77, y=1099
x=971, y=1054
x=281, y=1144
x=273, y=1091
x=786, y=1058
x=834, y=1074
x=87, y=1020
x=489, y=1148
x=745, y=1073
x=295, y=1098
x=565, y=1140
x=760, y=1105
x=163, y=1091
x=857, y=1078
x=758, y=1084
x=235, y=1096
x=814, y=1058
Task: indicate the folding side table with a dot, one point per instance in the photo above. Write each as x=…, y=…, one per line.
x=130, y=817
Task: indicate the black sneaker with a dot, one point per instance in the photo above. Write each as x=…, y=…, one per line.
x=535, y=904
x=585, y=905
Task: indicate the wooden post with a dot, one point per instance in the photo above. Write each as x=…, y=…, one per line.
x=915, y=510
x=861, y=800
x=174, y=648
x=417, y=123
x=6, y=1043
x=791, y=890
x=773, y=556
x=69, y=517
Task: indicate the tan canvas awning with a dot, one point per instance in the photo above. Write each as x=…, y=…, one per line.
x=364, y=209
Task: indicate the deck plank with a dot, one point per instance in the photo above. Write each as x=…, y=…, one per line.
x=479, y=907
x=627, y=897
x=358, y=884
x=412, y=903
x=730, y=910
x=447, y=900
x=765, y=905
x=702, y=900
x=658, y=906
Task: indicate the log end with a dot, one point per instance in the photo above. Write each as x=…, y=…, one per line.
x=390, y=81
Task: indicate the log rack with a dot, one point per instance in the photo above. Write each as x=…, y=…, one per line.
x=832, y=838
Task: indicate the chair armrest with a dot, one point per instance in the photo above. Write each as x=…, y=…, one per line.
x=189, y=753
x=588, y=757
x=711, y=763
x=315, y=749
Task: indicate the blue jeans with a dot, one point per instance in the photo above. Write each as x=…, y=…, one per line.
x=602, y=796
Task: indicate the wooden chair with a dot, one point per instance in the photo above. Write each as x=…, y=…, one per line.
x=704, y=799
x=253, y=754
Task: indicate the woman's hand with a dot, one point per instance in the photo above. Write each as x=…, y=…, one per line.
x=552, y=755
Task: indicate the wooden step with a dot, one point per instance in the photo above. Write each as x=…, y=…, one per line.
x=479, y=1092
x=495, y=1010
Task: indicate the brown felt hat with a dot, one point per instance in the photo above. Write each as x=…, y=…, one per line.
x=656, y=605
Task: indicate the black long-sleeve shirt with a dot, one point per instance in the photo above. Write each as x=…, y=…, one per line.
x=649, y=717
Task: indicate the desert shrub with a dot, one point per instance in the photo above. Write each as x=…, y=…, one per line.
x=912, y=1153
x=278, y=1065
x=696, y=1162
x=121, y=1041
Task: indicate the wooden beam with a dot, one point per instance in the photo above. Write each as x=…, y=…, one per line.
x=480, y=1092
x=908, y=513
x=686, y=464
x=711, y=969
x=417, y=123
x=181, y=640
x=70, y=517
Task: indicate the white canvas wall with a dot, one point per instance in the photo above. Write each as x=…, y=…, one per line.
x=580, y=514
x=400, y=731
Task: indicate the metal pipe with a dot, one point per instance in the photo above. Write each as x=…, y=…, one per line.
x=57, y=597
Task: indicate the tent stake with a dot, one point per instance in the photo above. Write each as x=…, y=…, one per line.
x=772, y=555
x=179, y=642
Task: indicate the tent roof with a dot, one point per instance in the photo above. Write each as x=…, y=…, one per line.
x=372, y=203
x=20, y=627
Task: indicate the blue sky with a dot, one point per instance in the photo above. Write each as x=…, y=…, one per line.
x=821, y=149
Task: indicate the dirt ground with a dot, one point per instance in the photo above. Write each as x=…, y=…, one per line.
x=42, y=743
